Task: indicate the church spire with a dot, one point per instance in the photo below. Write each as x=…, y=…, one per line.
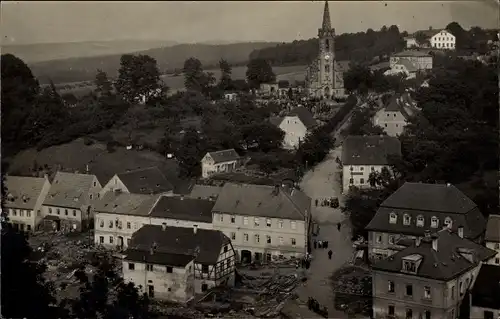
x=327, y=25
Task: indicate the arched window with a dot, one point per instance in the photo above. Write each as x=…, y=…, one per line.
x=393, y=218
x=327, y=44
x=448, y=222
x=434, y=222
x=406, y=219
x=420, y=221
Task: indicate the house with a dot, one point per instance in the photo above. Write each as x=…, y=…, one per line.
x=264, y=223
x=418, y=207
x=403, y=67
x=141, y=181
x=394, y=117
x=411, y=42
x=24, y=199
x=69, y=202
x=205, y=192
x=119, y=215
x=485, y=294
x=363, y=155
x=230, y=96
x=420, y=59
x=178, y=262
x=268, y=89
x=492, y=237
x=428, y=279
x=296, y=124
x=219, y=162
x=443, y=39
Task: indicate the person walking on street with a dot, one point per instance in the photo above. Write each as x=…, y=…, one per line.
x=315, y=244
x=325, y=244
x=316, y=201
x=320, y=244
x=330, y=254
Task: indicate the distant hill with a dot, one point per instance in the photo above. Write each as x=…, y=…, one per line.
x=169, y=58
x=32, y=53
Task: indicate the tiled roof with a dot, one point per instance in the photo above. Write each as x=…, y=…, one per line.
x=412, y=53
x=158, y=258
x=145, y=181
x=305, y=116
x=408, y=65
x=276, y=120
x=486, y=290
x=369, y=150
x=445, y=263
x=429, y=33
x=69, y=190
x=22, y=191
x=205, y=191
x=493, y=229
x=183, y=208
x=126, y=204
x=263, y=200
x=204, y=244
x=224, y=155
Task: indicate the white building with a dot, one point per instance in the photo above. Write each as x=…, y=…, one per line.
x=23, y=201
x=443, y=40
x=404, y=67
x=420, y=59
x=394, y=117
x=224, y=161
x=174, y=263
x=492, y=237
x=296, y=124
x=363, y=155
x=264, y=223
x=141, y=181
x=411, y=42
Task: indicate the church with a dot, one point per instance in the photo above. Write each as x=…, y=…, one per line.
x=324, y=76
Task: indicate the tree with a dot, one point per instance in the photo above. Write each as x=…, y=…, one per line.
x=267, y=136
x=315, y=147
x=190, y=152
x=259, y=71
x=358, y=79
x=195, y=79
x=420, y=37
x=361, y=124
x=104, y=87
x=225, y=79
x=134, y=119
x=138, y=77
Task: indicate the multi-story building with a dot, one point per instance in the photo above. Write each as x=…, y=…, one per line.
x=485, y=294
x=443, y=39
x=421, y=60
x=296, y=124
x=403, y=67
x=219, y=162
x=118, y=215
x=416, y=208
x=428, y=279
x=23, y=201
x=363, y=155
x=142, y=181
x=263, y=222
x=174, y=263
x=68, y=204
x=393, y=118
x=492, y=237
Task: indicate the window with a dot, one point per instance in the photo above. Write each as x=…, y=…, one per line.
x=379, y=239
x=409, y=313
x=497, y=245
x=390, y=287
x=294, y=242
x=434, y=222
x=131, y=266
x=110, y=239
x=110, y=224
x=101, y=239
x=245, y=220
x=409, y=265
x=129, y=225
x=28, y=213
x=233, y=235
x=21, y=213
x=447, y=222
x=170, y=270
x=204, y=269
x=257, y=238
x=409, y=290
x=256, y=222
x=58, y=211
x=233, y=219
x=268, y=222
x=149, y=267
x=362, y=168
x=91, y=196
x=420, y=221
x=390, y=310
x=372, y=169
x=128, y=241
x=452, y=292
x=98, y=195
x=327, y=67
x=351, y=180
x=50, y=211
x=221, y=218
x=391, y=239
x=427, y=314
x=225, y=249
x=280, y=223
x=101, y=223
x=245, y=236
x=497, y=261
x=386, y=123
x=393, y=218
x=74, y=213
x=460, y=288
x=95, y=184
x=406, y=219
x=281, y=240
x=362, y=181
x=293, y=225
x=427, y=292
x=66, y=212
x=28, y=227
x=268, y=239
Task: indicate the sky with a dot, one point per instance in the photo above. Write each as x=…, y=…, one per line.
x=200, y=21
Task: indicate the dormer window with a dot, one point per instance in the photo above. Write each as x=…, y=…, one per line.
x=411, y=263
x=434, y=222
x=448, y=222
x=393, y=218
x=406, y=219
x=420, y=221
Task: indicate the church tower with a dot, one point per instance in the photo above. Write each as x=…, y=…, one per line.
x=326, y=35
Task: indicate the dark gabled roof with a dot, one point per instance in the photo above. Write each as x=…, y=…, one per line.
x=205, y=192
x=430, y=197
x=369, y=150
x=276, y=120
x=23, y=191
x=493, y=229
x=145, y=181
x=224, y=155
x=69, y=190
x=183, y=208
x=158, y=258
x=486, y=290
x=444, y=264
x=304, y=115
x=125, y=204
x=412, y=53
x=205, y=244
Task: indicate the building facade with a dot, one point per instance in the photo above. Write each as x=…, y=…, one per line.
x=219, y=162
x=443, y=40
x=393, y=118
x=421, y=60
x=296, y=124
x=492, y=238
x=142, y=181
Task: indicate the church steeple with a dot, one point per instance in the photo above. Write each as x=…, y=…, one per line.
x=327, y=25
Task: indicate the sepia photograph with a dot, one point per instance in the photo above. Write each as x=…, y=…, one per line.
x=250, y=159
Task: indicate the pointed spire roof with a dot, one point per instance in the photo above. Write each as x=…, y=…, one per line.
x=327, y=25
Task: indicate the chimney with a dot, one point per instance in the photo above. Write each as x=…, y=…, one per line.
x=435, y=243
x=427, y=234
x=164, y=226
x=195, y=229
x=461, y=231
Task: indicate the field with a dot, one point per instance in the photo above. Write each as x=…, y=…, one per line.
x=175, y=83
